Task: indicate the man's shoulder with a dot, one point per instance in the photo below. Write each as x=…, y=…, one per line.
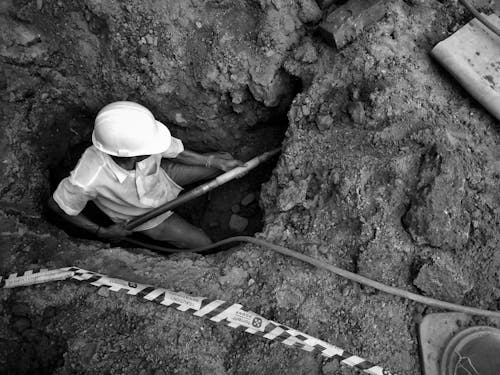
x=88, y=168
x=92, y=156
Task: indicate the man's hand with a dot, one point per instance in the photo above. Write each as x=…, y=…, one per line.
x=223, y=161
x=113, y=233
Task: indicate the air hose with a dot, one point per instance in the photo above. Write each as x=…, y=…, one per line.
x=239, y=171
x=336, y=270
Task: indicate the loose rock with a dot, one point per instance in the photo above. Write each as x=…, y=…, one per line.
x=357, y=112
x=444, y=279
x=306, y=53
x=309, y=11
x=345, y=23
x=238, y=223
x=331, y=367
x=249, y=198
x=235, y=276
x=437, y=216
x=103, y=292
x=324, y=122
x=293, y=195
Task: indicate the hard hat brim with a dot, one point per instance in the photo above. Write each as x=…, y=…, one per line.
x=164, y=140
x=156, y=145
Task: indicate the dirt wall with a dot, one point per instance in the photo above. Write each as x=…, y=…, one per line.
x=211, y=71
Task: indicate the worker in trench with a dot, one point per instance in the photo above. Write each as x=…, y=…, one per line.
x=133, y=166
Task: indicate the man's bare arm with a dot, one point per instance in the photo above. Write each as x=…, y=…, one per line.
x=217, y=160
x=81, y=221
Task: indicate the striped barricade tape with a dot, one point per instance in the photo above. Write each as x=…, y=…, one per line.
x=35, y=277
x=218, y=311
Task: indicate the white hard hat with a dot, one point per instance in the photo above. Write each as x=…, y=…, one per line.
x=129, y=129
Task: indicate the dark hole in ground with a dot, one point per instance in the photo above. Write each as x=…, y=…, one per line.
x=229, y=210
x=30, y=347
x=238, y=198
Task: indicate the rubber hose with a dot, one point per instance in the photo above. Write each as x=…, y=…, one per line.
x=336, y=270
x=480, y=17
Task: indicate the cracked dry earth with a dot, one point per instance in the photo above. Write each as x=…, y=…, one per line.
x=388, y=169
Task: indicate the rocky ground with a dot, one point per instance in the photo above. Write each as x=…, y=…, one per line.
x=389, y=169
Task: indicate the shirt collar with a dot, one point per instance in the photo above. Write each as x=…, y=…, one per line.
x=120, y=173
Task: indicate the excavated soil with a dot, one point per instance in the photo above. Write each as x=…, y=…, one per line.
x=388, y=169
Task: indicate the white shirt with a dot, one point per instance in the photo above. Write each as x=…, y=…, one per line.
x=119, y=193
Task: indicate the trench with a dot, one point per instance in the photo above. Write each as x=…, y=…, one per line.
x=231, y=209
x=33, y=346
x=99, y=64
